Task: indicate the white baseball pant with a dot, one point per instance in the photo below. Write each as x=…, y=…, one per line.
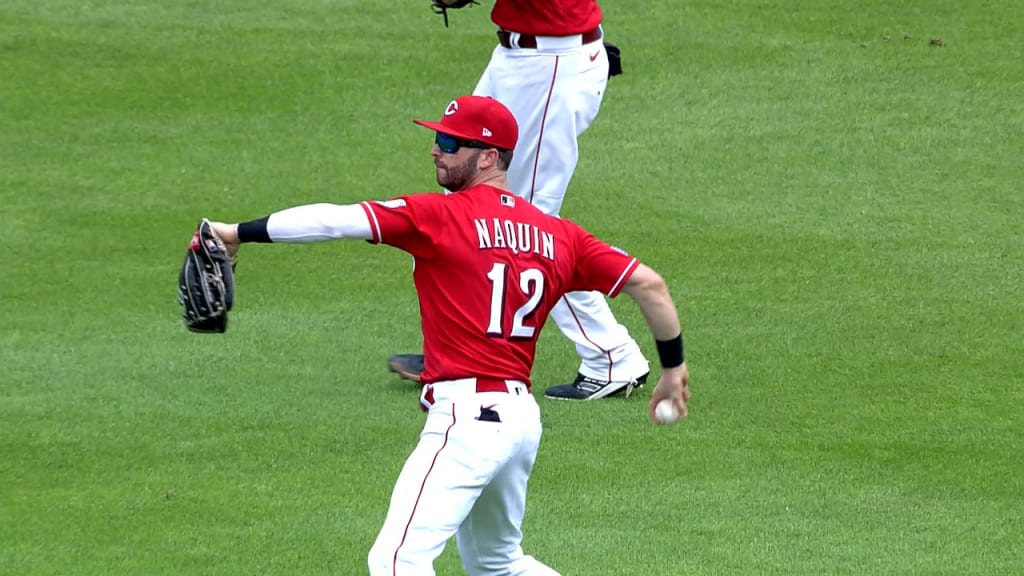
x=466, y=478
x=555, y=92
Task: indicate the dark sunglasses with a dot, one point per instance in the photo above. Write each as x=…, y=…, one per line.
x=450, y=144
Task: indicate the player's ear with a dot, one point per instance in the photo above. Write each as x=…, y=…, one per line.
x=488, y=159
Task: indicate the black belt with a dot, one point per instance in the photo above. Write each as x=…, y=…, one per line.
x=530, y=41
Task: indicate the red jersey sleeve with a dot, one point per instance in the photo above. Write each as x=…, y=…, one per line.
x=600, y=266
x=405, y=222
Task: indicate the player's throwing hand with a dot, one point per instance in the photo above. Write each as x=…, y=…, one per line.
x=673, y=385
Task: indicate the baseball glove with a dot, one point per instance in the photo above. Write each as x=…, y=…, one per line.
x=442, y=6
x=206, y=285
x=614, y=59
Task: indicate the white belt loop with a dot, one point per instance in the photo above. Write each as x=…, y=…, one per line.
x=426, y=396
x=558, y=43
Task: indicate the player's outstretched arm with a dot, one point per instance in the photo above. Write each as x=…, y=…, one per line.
x=650, y=292
x=301, y=224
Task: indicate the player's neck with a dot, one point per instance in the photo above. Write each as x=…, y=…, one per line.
x=494, y=178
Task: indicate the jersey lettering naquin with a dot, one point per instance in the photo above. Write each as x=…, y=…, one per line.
x=489, y=268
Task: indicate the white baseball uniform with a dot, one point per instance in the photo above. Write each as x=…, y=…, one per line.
x=489, y=269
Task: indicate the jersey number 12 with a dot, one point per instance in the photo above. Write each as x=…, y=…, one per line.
x=531, y=282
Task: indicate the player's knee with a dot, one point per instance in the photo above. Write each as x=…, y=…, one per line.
x=381, y=563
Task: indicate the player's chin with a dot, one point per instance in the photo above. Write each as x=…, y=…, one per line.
x=442, y=177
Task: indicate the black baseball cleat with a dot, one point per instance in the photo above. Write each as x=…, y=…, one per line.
x=584, y=388
x=407, y=366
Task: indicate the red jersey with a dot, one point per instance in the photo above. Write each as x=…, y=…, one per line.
x=546, y=17
x=489, y=266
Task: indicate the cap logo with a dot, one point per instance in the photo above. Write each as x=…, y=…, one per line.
x=452, y=108
x=486, y=133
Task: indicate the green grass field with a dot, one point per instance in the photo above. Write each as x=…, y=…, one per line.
x=835, y=199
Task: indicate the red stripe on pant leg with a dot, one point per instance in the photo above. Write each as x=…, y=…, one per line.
x=540, y=136
x=584, y=333
x=405, y=533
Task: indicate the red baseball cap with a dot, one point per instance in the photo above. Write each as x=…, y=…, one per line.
x=478, y=118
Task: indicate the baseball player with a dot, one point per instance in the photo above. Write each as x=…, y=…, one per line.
x=550, y=69
x=490, y=267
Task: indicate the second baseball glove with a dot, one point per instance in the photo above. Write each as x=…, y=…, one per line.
x=442, y=6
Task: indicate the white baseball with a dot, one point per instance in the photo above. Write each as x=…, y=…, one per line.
x=665, y=412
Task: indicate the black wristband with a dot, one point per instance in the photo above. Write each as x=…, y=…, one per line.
x=670, y=352
x=254, y=231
